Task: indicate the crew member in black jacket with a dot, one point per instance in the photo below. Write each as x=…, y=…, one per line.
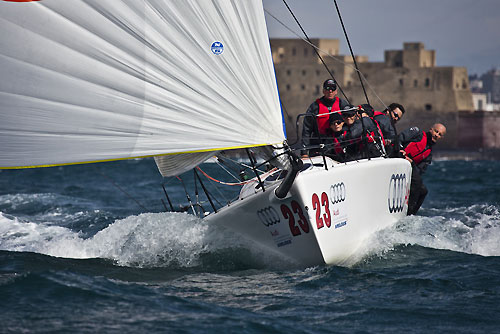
x=417, y=148
x=361, y=138
x=387, y=120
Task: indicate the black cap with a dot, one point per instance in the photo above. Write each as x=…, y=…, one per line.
x=349, y=111
x=368, y=109
x=330, y=84
x=336, y=116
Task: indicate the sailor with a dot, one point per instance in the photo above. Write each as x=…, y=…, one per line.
x=317, y=119
x=377, y=135
x=387, y=120
x=417, y=148
x=362, y=137
x=333, y=138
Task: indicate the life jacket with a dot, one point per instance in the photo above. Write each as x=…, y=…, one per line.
x=323, y=117
x=331, y=138
x=418, y=150
x=372, y=134
x=380, y=134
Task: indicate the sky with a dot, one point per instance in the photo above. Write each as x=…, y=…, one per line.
x=463, y=32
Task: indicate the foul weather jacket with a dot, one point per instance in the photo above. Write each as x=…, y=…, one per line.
x=310, y=135
x=385, y=124
x=418, y=146
x=354, y=142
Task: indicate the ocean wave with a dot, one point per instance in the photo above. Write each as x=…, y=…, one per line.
x=473, y=230
x=183, y=240
x=146, y=240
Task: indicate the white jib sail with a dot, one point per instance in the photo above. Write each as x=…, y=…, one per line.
x=95, y=80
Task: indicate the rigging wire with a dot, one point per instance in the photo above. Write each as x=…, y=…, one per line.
x=207, y=194
x=350, y=49
x=317, y=53
x=221, y=182
x=187, y=195
x=360, y=80
x=227, y=171
x=121, y=189
x=232, y=184
x=328, y=55
x=216, y=187
x=242, y=164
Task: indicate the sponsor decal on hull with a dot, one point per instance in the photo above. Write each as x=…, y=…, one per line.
x=331, y=208
x=274, y=221
x=271, y=219
x=398, y=194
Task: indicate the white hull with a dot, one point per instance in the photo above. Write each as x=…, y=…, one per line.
x=327, y=214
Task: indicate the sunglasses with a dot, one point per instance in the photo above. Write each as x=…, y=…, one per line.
x=337, y=122
x=395, y=116
x=348, y=115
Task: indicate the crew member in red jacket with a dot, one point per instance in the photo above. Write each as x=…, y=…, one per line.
x=317, y=119
x=417, y=148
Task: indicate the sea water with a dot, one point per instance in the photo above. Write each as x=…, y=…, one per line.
x=91, y=249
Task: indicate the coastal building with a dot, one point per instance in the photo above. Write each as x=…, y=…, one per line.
x=491, y=84
x=408, y=76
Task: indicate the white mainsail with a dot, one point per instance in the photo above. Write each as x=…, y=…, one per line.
x=97, y=80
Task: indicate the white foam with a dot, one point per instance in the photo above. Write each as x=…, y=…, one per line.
x=472, y=230
x=140, y=240
x=162, y=239
x=151, y=239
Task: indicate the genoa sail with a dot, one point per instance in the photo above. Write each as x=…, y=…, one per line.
x=98, y=80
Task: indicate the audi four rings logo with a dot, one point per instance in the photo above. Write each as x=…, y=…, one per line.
x=397, y=193
x=268, y=216
x=337, y=193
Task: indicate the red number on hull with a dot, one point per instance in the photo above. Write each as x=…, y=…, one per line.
x=287, y=213
x=326, y=218
x=303, y=223
x=317, y=207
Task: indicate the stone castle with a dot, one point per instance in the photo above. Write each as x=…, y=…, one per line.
x=409, y=76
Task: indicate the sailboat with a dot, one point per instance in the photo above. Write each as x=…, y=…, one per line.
x=87, y=81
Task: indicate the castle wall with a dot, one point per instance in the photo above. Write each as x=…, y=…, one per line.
x=429, y=94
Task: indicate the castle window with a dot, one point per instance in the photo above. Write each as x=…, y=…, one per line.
x=294, y=52
x=288, y=72
x=428, y=107
x=303, y=87
x=427, y=82
x=318, y=73
x=317, y=89
x=287, y=87
x=464, y=84
x=401, y=82
x=304, y=72
x=415, y=83
x=306, y=52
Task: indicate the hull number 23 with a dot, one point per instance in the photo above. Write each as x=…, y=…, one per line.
x=297, y=212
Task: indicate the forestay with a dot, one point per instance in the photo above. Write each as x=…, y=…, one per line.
x=96, y=80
